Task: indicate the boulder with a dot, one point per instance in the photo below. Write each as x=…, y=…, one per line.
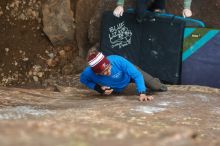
x=84, y=11
x=58, y=21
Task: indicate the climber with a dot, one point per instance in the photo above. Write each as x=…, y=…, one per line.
x=112, y=74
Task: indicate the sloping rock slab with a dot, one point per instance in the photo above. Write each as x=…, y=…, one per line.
x=182, y=116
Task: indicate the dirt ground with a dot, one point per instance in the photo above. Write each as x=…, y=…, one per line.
x=21, y=41
x=25, y=51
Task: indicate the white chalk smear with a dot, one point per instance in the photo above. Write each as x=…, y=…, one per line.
x=164, y=103
x=20, y=112
x=148, y=109
x=202, y=97
x=216, y=110
x=168, y=103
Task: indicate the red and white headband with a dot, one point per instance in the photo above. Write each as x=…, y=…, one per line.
x=96, y=60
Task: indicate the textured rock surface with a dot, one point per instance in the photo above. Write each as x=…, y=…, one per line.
x=183, y=116
x=58, y=21
x=84, y=12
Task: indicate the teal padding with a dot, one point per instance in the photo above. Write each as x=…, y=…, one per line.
x=188, y=32
x=199, y=44
x=200, y=23
x=182, y=18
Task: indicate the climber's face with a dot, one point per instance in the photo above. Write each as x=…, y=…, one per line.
x=107, y=71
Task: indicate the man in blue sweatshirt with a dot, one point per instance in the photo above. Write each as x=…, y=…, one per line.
x=112, y=74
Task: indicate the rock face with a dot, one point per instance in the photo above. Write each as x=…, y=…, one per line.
x=76, y=116
x=84, y=11
x=58, y=21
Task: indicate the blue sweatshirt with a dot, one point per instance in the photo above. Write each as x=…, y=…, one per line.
x=122, y=71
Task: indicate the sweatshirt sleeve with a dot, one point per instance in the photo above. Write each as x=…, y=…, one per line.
x=187, y=4
x=86, y=80
x=134, y=73
x=120, y=2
